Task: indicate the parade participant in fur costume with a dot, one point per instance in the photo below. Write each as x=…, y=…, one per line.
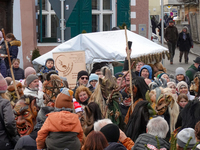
x=51, y=87
x=109, y=103
x=139, y=90
x=163, y=102
x=12, y=94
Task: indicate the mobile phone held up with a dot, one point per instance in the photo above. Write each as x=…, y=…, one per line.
x=129, y=44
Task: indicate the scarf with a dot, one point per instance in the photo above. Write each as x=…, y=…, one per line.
x=184, y=35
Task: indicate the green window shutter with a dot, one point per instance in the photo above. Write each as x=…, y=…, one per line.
x=80, y=18
x=123, y=13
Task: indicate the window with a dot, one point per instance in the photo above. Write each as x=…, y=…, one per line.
x=50, y=23
x=103, y=15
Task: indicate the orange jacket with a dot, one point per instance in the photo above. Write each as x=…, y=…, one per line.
x=63, y=121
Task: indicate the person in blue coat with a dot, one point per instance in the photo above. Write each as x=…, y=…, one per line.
x=146, y=72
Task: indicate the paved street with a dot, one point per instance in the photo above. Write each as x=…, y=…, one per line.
x=171, y=68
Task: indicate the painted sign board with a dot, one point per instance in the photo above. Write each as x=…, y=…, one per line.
x=69, y=64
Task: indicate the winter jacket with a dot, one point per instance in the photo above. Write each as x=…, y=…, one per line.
x=115, y=146
x=159, y=27
x=18, y=73
x=184, y=45
x=13, y=49
x=3, y=47
x=149, y=70
x=9, y=125
x=3, y=69
x=26, y=142
x=171, y=34
x=151, y=142
x=61, y=130
x=38, y=94
x=191, y=71
x=45, y=70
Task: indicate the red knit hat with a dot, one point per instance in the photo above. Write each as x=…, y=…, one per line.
x=77, y=107
x=3, y=84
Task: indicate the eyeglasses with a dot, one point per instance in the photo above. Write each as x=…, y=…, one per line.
x=82, y=78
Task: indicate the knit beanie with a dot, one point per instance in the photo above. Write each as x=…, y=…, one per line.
x=49, y=59
x=111, y=132
x=171, y=84
x=180, y=84
x=77, y=107
x=28, y=71
x=3, y=84
x=64, y=99
x=118, y=74
x=1, y=35
x=30, y=79
x=180, y=70
x=184, y=135
x=93, y=76
x=82, y=73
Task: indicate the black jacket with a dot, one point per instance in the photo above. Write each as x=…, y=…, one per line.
x=149, y=140
x=184, y=45
x=18, y=73
x=8, y=126
x=171, y=34
x=3, y=48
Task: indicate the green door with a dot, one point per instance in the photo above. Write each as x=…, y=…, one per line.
x=80, y=18
x=123, y=13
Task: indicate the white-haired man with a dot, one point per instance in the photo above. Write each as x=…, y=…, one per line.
x=127, y=142
x=156, y=127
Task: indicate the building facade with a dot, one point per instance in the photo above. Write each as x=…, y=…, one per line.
x=36, y=23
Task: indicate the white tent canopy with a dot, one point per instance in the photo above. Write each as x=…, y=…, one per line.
x=105, y=46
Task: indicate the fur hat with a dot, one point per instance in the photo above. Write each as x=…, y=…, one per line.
x=1, y=35
x=93, y=76
x=119, y=74
x=28, y=71
x=180, y=70
x=64, y=99
x=82, y=73
x=180, y=84
x=111, y=132
x=184, y=135
x=3, y=84
x=30, y=79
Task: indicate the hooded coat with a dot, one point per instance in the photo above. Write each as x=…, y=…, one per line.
x=184, y=44
x=149, y=70
x=61, y=130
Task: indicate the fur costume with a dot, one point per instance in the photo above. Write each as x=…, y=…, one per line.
x=12, y=94
x=139, y=89
x=195, y=84
x=51, y=87
x=109, y=103
x=138, y=120
x=163, y=102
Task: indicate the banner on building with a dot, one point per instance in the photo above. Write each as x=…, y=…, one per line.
x=68, y=64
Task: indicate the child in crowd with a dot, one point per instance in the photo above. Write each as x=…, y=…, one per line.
x=49, y=66
x=182, y=100
x=62, y=128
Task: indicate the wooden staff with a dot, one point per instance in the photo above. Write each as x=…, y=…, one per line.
x=129, y=66
x=11, y=69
